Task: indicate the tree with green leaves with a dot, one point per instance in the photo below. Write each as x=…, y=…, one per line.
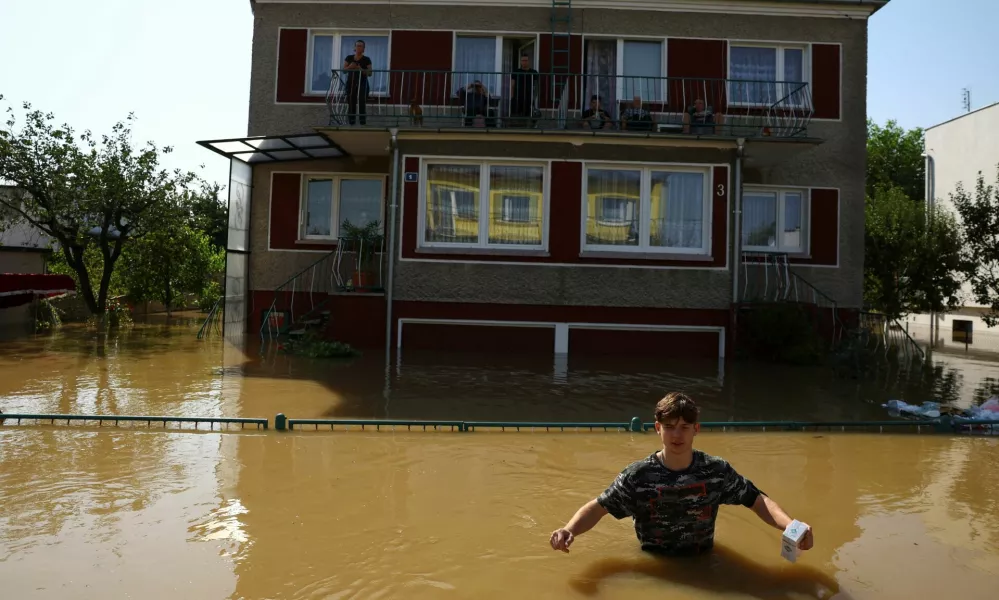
x=210, y=213
x=895, y=159
x=89, y=194
x=913, y=258
x=980, y=219
x=170, y=263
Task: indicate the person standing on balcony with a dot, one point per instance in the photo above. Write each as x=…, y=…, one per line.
x=523, y=84
x=674, y=494
x=358, y=68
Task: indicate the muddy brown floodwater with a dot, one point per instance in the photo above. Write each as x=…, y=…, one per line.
x=89, y=512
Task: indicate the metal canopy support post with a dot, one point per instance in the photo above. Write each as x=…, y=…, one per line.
x=390, y=231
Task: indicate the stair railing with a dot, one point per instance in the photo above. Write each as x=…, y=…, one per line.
x=781, y=284
x=213, y=321
x=889, y=334
x=315, y=278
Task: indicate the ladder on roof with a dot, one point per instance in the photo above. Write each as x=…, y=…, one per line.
x=561, y=25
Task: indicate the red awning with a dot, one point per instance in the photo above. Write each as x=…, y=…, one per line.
x=21, y=288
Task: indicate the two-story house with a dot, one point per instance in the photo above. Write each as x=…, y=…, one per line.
x=573, y=176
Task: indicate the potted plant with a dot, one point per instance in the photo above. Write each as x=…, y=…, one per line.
x=366, y=245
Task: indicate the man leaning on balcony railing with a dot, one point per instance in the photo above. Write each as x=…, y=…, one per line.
x=358, y=68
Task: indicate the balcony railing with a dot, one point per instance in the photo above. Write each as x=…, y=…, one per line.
x=650, y=105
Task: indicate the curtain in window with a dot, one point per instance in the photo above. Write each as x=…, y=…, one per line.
x=375, y=48
x=791, y=234
x=475, y=59
x=319, y=207
x=611, y=188
x=452, y=204
x=360, y=202
x=754, y=68
x=759, y=220
x=677, y=207
x=794, y=74
x=601, y=69
x=643, y=70
x=322, y=63
x=515, y=205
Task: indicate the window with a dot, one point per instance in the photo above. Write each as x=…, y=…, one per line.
x=329, y=201
x=642, y=70
x=327, y=54
x=766, y=75
x=774, y=221
x=487, y=205
x=651, y=209
x=477, y=58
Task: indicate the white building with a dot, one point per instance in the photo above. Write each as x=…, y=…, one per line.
x=23, y=248
x=956, y=152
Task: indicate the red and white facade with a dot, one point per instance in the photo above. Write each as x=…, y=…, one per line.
x=572, y=284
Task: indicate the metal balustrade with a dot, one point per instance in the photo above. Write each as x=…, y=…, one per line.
x=118, y=420
x=512, y=100
x=945, y=424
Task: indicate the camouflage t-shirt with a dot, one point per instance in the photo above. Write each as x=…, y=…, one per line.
x=675, y=511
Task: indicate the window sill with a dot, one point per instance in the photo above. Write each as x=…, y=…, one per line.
x=317, y=241
x=646, y=255
x=533, y=252
x=759, y=253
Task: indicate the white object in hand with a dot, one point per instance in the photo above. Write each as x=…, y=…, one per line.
x=793, y=534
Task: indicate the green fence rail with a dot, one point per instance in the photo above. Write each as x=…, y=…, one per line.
x=635, y=425
x=54, y=419
x=945, y=424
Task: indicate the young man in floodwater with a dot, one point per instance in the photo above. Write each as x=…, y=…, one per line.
x=674, y=494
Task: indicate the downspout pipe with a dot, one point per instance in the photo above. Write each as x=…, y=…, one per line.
x=391, y=230
x=929, y=175
x=736, y=237
x=737, y=217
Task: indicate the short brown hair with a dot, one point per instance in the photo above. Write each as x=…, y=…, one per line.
x=677, y=405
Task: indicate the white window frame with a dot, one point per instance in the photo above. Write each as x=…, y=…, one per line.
x=619, y=68
x=806, y=220
x=484, y=191
x=336, y=178
x=338, y=36
x=645, y=208
x=779, y=48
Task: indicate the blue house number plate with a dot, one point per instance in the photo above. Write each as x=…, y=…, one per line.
x=412, y=177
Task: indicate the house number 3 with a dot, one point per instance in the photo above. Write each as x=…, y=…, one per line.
x=721, y=189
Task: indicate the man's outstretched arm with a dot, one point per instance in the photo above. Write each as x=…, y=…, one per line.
x=772, y=514
x=584, y=520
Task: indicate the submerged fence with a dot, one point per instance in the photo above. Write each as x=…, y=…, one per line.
x=223, y=423
x=944, y=424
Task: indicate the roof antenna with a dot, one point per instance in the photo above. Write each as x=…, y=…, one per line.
x=966, y=99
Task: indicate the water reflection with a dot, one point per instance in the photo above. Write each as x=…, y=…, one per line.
x=724, y=571
x=159, y=367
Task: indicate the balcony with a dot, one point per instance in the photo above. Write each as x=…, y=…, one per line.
x=647, y=106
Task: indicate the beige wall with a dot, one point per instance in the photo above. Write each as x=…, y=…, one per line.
x=839, y=162
x=271, y=268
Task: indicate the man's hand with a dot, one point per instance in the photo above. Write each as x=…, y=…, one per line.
x=806, y=542
x=561, y=539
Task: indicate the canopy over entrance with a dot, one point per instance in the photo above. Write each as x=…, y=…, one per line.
x=21, y=288
x=275, y=148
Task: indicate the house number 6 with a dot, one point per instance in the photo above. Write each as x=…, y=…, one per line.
x=721, y=189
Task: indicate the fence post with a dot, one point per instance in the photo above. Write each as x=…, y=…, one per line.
x=280, y=422
x=636, y=424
